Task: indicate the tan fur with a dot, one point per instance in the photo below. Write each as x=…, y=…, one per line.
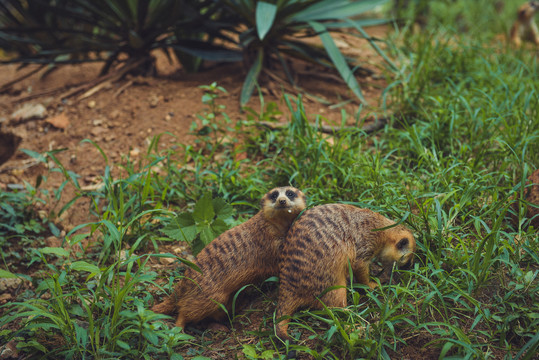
x=242, y=255
x=524, y=27
x=319, y=248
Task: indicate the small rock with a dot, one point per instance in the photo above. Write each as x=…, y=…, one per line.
x=155, y=100
x=124, y=255
x=9, y=283
x=5, y=297
x=168, y=117
x=42, y=214
x=97, y=122
x=166, y=260
x=134, y=152
x=29, y=111
x=91, y=104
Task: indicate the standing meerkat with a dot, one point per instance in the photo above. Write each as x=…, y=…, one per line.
x=245, y=254
x=319, y=248
x=524, y=28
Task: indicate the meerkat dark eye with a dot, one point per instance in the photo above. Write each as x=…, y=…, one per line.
x=402, y=244
x=274, y=195
x=291, y=195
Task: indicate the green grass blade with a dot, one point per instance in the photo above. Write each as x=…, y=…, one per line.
x=338, y=59
x=251, y=78
x=376, y=48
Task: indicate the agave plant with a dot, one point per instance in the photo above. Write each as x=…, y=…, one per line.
x=65, y=31
x=278, y=28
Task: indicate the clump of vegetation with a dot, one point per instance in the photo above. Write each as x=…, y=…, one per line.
x=448, y=164
x=112, y=31
x=125, y=32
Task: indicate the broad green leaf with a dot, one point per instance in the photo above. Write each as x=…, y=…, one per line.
x=7, y=275
x=123, y=344
x=265, y=15
x=338, y=59
x=113, y=231
x=249, y=350
x=218, y=227
x=252, y=78
x=39, y=157
x=182, y=228
x=222, y=209
x=54, y=250
x=54, y=230
x=85, y=266
x=206, y=235
x=196, y=246
x=75, y=239
x=151, y=336
x=204, y=212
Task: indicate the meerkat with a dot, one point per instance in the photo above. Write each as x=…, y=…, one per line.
x=524, y=28
x=242, y=255
x=321, y=247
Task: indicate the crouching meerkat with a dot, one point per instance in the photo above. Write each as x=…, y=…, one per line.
x=319, y=248
x=524, y=28
x=245, y=254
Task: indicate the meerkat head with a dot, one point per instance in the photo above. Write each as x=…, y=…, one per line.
x=527, y=10
x=287, y=201
x=399, y=247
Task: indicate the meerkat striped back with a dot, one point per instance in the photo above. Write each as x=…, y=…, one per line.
x=321, y=247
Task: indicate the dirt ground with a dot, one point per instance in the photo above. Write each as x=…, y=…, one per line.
x=123, y=116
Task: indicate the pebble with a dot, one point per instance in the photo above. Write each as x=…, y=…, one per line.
x=9, y=283
x=166, y=260
x=29, y=111
x=134, y=152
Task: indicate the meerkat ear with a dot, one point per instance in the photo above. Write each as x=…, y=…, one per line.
x=403, y=244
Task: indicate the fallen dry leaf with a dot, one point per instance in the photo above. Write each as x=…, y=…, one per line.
x=59, y=121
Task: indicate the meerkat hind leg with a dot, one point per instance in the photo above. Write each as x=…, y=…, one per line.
x=192, y=311
x=335, y=298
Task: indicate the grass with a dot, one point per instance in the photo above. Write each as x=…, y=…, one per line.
x=464, y=136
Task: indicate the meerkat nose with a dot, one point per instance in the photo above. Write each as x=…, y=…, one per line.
x=282, y=201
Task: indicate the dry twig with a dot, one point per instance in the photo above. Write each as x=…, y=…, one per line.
x=327, y=129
